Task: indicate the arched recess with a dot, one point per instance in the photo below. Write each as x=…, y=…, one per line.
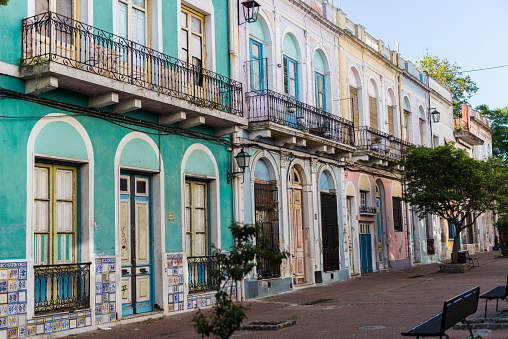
x=322, y=80
x=266, y=208
x=397, y=209
x=137, y=163
x=301, y=226
x=406, y=119
x=55, y=139
x=192, y=172
x=329, y=229
x=365, y=191
x=391, y=112
x=260, y=42
x=421, y=125
x=373, y=94
x=355, y=95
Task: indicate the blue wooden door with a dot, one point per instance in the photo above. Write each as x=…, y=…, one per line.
x=365, y=248
x=136, y=242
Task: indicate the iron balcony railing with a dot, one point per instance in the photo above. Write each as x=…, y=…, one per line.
x=200, y=273
x=368, y=138
x=281, y=109
x=265, y=268
x=62, y=287
x=331, y=258
x=367, y=210
x=52, y=37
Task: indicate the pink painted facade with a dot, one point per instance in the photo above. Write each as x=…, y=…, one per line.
x=370, y=201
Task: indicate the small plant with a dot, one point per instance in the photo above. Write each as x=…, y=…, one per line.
x=227, y=316
x=376, y=140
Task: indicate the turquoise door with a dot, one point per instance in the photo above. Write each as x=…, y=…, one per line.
x=365, y=248
x=136, y=241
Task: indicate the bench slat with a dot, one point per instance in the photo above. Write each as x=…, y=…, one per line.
x=498, y=292
x=429, y=327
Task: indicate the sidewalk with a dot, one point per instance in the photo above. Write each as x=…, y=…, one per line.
x=378, y=305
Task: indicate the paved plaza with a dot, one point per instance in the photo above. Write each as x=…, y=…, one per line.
x=377, y=305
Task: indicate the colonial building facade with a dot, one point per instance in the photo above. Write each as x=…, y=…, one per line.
x=121, y=120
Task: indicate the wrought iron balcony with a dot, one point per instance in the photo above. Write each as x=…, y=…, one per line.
x=200, y=273
x=265, y=269
x=331, y=258
x=367, y=210
x=380, y=143
x=51, y=37
x=62, y=287
x=278, y=108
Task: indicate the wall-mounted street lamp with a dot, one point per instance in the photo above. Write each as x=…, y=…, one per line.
x=436, y=116
x=242, y=160
x=250, y=11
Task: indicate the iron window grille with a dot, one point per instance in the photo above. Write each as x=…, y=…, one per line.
x=200, y=273
x=63, y=287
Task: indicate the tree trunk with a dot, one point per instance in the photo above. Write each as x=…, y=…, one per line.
x=455, y=248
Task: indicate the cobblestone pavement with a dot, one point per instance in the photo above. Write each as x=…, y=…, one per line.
x=377, y=305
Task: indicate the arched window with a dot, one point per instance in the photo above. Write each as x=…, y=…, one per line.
x=421, y=121
x=372, y=90
x=406, y=125
x=320, y=84
x=290, y=67
x=257, y=69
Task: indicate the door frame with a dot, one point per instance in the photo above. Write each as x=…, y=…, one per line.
x=151, y=236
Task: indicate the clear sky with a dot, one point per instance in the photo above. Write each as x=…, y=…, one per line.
x=474, y=34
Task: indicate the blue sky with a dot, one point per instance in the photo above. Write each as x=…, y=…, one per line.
x=474, y=34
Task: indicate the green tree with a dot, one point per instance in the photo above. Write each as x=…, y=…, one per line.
x=502, y=228
x=227, y=316
x=445, y=181
x=3, y=2
x=449, y=75
x=499, y=123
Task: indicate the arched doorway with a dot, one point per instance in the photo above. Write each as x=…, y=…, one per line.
x=297, y=226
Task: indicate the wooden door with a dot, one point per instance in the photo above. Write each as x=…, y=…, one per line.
x=297, y=226
x=136, y=241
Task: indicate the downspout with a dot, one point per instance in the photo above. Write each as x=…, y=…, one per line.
x=408, y=230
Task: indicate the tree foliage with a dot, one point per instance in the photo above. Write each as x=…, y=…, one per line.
x=499, y=123
x=445, y=181
x=227, y=316
x=449, y=75
x=3, y=2
x=502, y=228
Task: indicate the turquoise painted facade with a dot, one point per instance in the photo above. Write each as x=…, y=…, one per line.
x=58, y=132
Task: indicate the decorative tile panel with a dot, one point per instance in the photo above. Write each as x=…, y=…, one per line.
x=175, y=282
x=13, y=277
x=105, y=291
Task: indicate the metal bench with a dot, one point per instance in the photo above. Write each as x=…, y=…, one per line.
x=471, y=259
x=499, y=292
x=455, y=310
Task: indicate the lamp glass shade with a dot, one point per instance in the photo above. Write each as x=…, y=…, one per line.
x=250, y=10
x=435, y=116
x=242, y=159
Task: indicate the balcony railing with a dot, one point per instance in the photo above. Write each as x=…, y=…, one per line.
x=62, y=287
x=200, y=274
x=382, y=143
x=367, y=210
x=331, y=258
x=273, y=106
x=53, y=37
x=266, y=269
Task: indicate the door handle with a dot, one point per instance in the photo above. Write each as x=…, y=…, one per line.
x=143, y=270
x=124, y=271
